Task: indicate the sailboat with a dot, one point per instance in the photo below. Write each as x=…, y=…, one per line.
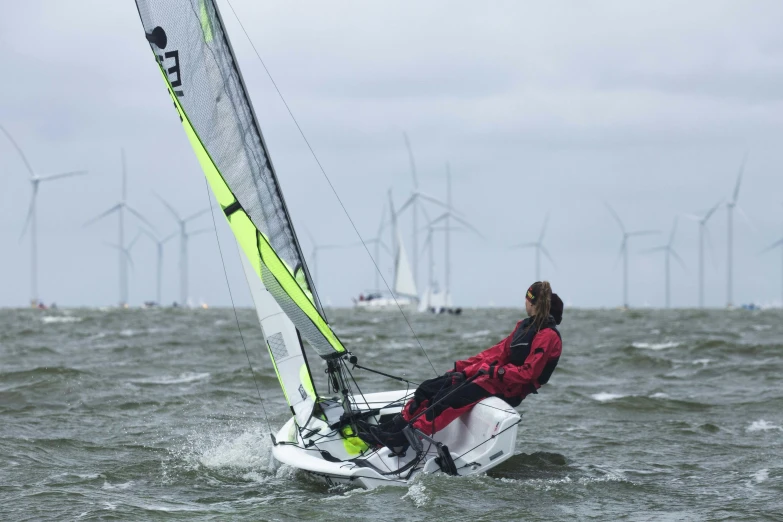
x=193, y=53
x=404, y=295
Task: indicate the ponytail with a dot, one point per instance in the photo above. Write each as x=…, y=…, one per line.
x=542, y=303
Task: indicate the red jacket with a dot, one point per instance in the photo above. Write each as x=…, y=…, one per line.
x=517, y=381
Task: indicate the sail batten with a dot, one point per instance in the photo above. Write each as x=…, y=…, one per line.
x=195, y=57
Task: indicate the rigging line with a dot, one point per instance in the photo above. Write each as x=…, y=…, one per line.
x=236, y=317
x=329, y=181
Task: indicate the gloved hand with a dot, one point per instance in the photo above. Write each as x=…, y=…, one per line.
x=456, y=377
x=490, y=370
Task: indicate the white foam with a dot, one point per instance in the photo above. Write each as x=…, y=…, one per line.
x=473, y=335
x=605, y=396
x=123, y=485
x=761, y=475
x=48, y=319
x=249, y=451
x=418, y=494
x=659, y=395
x=182, y=378
x=762, y=425
x=655, y=346
x=703, y=362
x=127, y=333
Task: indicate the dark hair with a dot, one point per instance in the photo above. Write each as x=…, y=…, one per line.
x=541, y=301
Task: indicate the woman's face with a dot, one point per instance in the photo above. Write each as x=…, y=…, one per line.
x=529, y=308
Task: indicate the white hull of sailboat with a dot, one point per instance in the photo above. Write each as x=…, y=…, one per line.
x=478, y=441
x=388, y=304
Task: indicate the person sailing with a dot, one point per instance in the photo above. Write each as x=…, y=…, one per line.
x=511, y=370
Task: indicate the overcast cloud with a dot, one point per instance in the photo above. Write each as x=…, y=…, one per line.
x=536, y=106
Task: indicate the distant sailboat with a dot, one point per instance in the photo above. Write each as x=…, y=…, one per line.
x=194, y=55
x=406, y=296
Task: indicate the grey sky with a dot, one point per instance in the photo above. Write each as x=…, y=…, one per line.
x=537, y=107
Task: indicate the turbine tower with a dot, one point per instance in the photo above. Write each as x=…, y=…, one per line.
x=159, y=246
x=539, y=246
x=730, y=241
x=184, y=235
x=126, y=250
x=669, y=251
x=32, y=214
x=120, y=209
x=414, y=201
x=703, y=233
x=624, y=250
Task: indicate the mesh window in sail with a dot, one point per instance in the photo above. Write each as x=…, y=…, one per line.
x=277, y=346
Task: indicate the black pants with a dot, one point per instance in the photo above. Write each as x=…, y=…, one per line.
x=450, y=396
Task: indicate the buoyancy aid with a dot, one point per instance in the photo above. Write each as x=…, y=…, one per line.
x=520, y=347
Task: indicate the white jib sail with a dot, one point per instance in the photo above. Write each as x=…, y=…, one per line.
x=284, y=347
x=403, y=281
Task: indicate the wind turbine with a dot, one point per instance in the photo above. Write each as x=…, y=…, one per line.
x=624, y=249
x=184, y=235
x=669, y=251
x=446, y=217
x=730, y=241
x=32, y=214
x=125, y=251
x=120, y=209
x=539, y=246
x=159, y=246
x=415, y=201
x=703, y=232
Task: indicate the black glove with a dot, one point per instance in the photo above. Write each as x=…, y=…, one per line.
x=456, y=377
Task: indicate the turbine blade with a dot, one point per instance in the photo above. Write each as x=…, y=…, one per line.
x=711, y=211
x=615, y=216
x=674, y=229
x=138, y=235
x=436, y=201
x=772, y=246
x=413, y=163
x=408, y=203
x=739, y=179
x=543, y=228
x=693, y=217
x=29, y=212
x=643, y=233
x=19, y=150
x=546, y=253
x=138, y=215
x=169, y=207
x=679, y=259
x=747, y=219
x=468, y=225
x=197, y=214
x=524, y=245
x=63, y=175
x=170, y=236
x=103, y=215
